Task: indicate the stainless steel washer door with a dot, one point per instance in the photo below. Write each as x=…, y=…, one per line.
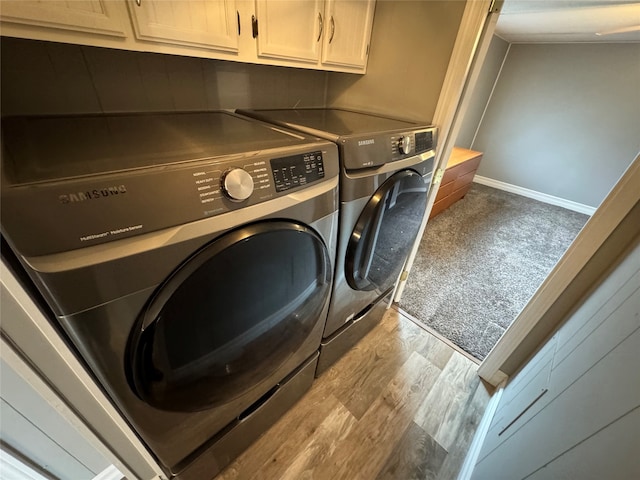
x=385, y=232
x=230, y=316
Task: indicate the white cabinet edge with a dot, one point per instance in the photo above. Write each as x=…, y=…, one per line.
x=481, y=433
x=34, y=326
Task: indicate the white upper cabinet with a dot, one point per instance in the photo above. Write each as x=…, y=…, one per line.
x=328, y=34
x=314, y=34
x=199, y=23
x=347, y=32
x=91, y=16
x=290, y=29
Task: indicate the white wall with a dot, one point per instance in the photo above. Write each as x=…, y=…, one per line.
x=39, y=432
x=564, y=119
x=411, y=46
x=482, y=91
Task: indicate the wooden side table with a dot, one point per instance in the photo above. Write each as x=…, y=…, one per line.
x=457, y=178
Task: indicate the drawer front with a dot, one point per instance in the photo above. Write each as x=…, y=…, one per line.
x=463, y=180
x=469, y=166
x=444, y=190
x=450, y=174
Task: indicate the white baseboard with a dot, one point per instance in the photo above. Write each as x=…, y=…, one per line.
x=542, y=197
x=478, y=438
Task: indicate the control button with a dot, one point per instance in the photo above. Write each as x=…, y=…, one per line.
x=237, y=184
x=404, y=144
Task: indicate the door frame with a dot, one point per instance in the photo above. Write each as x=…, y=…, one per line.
x=469, y=51
x=615, y=223
x=612, y=226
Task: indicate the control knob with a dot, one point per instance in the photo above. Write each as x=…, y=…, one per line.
x=404, y=144
x=237, y=184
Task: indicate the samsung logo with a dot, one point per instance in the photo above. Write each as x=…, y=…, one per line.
x=92, y=194
x=371, y=141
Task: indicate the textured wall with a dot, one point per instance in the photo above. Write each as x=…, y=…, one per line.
x=482, y=91
x=411, y=45
x=46, y=77
x=564, y=119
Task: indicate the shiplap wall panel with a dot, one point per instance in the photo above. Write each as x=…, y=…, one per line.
x=594, y=385
x=533, y=380
x=519, y=409
x=25, y=437
x=597, y=312
x=602, y=395
x=594, y=458
x=28, y=403
x=614, y=328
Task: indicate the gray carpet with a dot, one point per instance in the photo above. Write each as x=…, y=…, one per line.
x=481, y=260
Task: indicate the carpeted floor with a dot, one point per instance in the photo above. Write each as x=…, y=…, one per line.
x=481, y=260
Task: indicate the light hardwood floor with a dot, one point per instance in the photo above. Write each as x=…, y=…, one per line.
x=400, y=405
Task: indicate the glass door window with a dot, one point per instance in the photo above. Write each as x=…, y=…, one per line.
x=385, y=232
x=230, y=316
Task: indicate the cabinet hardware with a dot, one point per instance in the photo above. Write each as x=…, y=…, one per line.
x=321, y=26
x=333, y=29
x=254, y=25
x=138, y=2
x=238, y=15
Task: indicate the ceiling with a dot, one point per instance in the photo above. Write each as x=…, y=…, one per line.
x=560, y=21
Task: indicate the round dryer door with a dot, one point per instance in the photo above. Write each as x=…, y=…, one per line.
x=230, y=316
x=385, y=232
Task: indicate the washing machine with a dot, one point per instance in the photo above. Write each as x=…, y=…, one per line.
x=386, y=167
x=187, y=258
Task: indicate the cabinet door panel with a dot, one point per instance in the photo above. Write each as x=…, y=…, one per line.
x=290, y=29
x=205, y=24
x=347, y=32
x=94, y=16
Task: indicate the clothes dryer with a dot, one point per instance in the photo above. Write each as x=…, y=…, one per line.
x=188, y=257
x=385, y=174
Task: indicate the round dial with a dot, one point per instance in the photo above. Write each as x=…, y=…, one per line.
x=237, y=184
x=404, y=144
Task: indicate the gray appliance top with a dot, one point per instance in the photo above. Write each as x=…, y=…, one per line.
x=333, y=123
x=77, y=181
x=365, y=140
x=50, y=148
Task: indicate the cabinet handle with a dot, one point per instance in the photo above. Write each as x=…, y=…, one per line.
x=254, y=26
x=321, y=24
x=238, y=14
x=138, y=2
x=333, y=29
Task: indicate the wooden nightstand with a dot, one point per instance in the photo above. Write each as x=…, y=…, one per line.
x=457, y=178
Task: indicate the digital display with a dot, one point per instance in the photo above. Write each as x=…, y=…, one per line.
x=424, y=141
x=297, y=170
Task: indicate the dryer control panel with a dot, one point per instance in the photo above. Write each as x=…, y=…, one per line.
x=411, y=143
x=378, y=149
x=103, y=208
x=297, y=170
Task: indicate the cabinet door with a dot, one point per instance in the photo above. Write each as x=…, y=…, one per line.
x=290, y=29
x=93, y=16
x=204, y=24
x=347, y=32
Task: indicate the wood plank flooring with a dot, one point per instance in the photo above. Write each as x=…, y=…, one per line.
x=401, y=405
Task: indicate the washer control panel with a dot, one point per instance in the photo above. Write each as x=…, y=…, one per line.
x=102, y=208
x=297, y=170
x=411, y=143
x=237, y=184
